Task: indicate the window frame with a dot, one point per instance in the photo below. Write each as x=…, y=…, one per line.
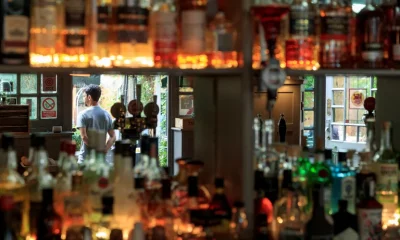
x=308, y=109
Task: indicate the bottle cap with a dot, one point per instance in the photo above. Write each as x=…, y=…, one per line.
x=166, y=189
x=342, y=204
x=342, y=156
x=118, y=148
x=116, y=234
x=138, y=182
x=328, y=154
x=7, y=141
x=238, y=204
x=193, y=188
x=6, y=202
x=219, y=183
x=182, y=160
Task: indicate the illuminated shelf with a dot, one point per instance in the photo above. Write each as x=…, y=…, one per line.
x=150, y=71
x=324, y=72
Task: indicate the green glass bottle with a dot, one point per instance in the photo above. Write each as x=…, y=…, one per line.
x=319, y=174
x=303, y=162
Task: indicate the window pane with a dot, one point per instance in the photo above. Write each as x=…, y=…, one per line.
x=8, y=83
x=362, y=134
x=338, y=115
x=351, y=133
x=338, y=98
x=337, y=132
x=29, y=83
x=355, y=116
x=308, y=118
x=310, y=137
x=49, y=83
x=185, y=105
x=309, y=82
x=308, y=99
x=338, y=82
x=375, y=83
x=32, y=101
x=373, y=94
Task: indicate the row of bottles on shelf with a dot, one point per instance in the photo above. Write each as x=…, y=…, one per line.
x=95, y=199
x=335, y=191
x=307, y=36
x=108, y=33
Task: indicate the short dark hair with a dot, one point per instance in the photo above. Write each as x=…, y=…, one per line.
x=94, y=91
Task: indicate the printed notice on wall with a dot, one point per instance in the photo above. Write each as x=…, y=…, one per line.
x=48, y=108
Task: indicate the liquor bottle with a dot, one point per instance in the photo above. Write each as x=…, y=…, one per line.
x=192, y=34
x=301, y=48
x=192, y=204
x=394, y=35
x=7, y=230
x=13, y=184
x=258, y=145
x=369, y=214
x=386, y=170
x=139, y=196
x=123, y=206
x=142, y=164
x=46, y=26
x=165, y=34
x=239, y=220
x=262, y=205
x=350, y=155
x=335, y=35
x=320, y=225
x=76, y=33
x=107, y=221
x=303, y=163
x=320, y=174
x=389, y=9
x=37, y=180
x=221, y=37
x=49, y=222
x=287, y=212
x=343, y=184
x=101, y=43
x=370, y=40
x=366, y=173
x=371, y=141
x=15, y=23
x=344, y=223
x=221, y=207
x=271, y=158
x=165, y=215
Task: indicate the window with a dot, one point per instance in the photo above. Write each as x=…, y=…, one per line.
x=24, y=89
x=345, y=107
x=308, y=110
x=186, y=104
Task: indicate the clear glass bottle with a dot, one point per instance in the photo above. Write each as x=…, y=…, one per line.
x=13, y=184
x=288, y=214
x=370, y=38
x=103, y=229
x=386, y=170
x=46, y=28
x=164, y=18
x=301, y=47
x=49, y=222
x=75, y=34
x=192, y=34
x=74, y=204
x=335, y=38
x=343, y=184
x=221, y=208
x=221, y=38
x=370, y=146
x=101, y=43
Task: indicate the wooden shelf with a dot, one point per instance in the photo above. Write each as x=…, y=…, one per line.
x=150, y=71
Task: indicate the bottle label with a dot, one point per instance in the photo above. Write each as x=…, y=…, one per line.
x=165, y=40
x=103, y=14
x=75, y=40
x=299, y=50
x=387, y=177
x=132, y=24
x=73, y=208
x=369, y=223
x=193, y=31
x=16, y=34
x=348, y=192
x=45, y=14
x=347, y=234
x=302, y=23
x=335, y=27
x=75, y=13
x=396, y=52
x=224, y=42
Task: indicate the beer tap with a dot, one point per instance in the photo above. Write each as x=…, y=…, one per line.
x=151, y=111
x=118, y=111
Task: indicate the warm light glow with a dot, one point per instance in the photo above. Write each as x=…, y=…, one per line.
x=186, y=61
x=120, y=61
x=31, y=237
x=391, y=222
x=39, y=60
x=75, y=60
x=102, y=235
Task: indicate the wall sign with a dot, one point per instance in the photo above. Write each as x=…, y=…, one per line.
x=357, y=97
x=49, y=83
x=48, y=108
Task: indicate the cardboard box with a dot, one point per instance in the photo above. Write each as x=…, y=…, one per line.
x=184, y=123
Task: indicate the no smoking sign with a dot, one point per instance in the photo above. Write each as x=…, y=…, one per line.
x=48, y=108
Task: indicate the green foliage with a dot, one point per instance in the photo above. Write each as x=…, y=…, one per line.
x=77, y=138
x=309, y=82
